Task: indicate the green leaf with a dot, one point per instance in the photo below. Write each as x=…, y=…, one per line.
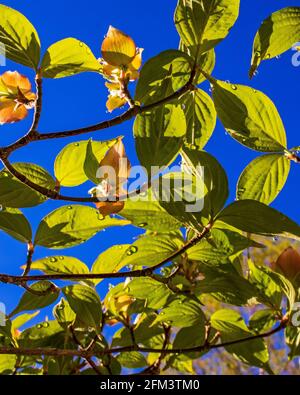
x=132, y=360
x=200, y=117
x=262, y=320
x=154, y=293
x=181, y=364
x=64, y=314
x=271, y=285
x=44, y=334
x=15, y=194
x=163, y=75
x=204, y=23
x=85, y=302
x=206, y=62
x=144, y=332
x=192, y=336
x=222, y=245
x=264, y=178
x=68, y=226
x=229, y=288
x=60, y=265
x=232, y=327
x=159, y=135
x=68, y=57
x=22, y=319
x=183, y=194
x=268, y=42
x=7, y=362
x=14, y=223
x=30, y=301
x=249, y=116
x=147, y=213
x=110, y=261
x=254, y=217
x=183, y=313
x=214, y=176
x=150, y=250
x=71, y=167
x=22, y=43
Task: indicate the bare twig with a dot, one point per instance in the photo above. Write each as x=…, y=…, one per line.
x=89, y=354
x=89, y=349
x=19, y=280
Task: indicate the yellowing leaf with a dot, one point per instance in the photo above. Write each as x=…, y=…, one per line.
x=118, y=49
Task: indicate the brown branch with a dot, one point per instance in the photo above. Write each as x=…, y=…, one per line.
x=30, y=252
x=129, y=114
x=88, y=354
x=293, y=157
x=19, y=280
x=38, y=104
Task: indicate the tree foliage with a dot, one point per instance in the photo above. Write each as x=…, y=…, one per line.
x=195, y=281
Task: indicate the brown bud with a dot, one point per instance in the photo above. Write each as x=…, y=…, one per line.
x=288, y=263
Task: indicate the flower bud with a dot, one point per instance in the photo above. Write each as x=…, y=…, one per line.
x=118, y=49
x=288, y=263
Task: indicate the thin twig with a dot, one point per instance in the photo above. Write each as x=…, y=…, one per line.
x=19, y=280
x=129, y=114
x=89, y=354
x=30, y=252
x=89, y=349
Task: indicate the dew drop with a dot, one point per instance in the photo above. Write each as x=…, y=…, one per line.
x=81, y=44
x=39, y=326
x=132, y=250
x=76, y=144
x=267, y=56
x=70, y=207
x=100, y=217
x=53, y=259
x=46, y=324
x=142, y=225
x=234, y=87
x=61, y=258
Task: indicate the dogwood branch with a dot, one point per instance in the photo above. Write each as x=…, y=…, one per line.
x=129, y=114
x=148, y=272
x=90, y=353
x=33, y=135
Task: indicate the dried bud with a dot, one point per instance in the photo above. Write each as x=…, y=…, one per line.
x=15, y=97
x=118, y=49
x=288, y=263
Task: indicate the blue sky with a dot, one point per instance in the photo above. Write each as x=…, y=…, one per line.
x=80, y=100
